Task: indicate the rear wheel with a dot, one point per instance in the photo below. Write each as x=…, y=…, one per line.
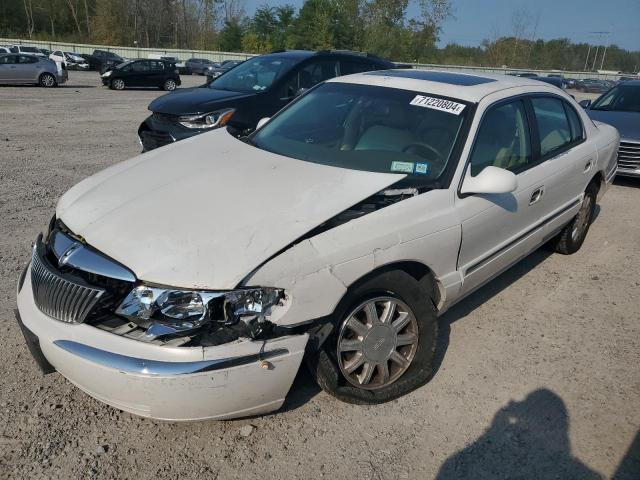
x=47, y=80
x=169, y=85
x=383, y=342
x=572, y=236
x=117, y=84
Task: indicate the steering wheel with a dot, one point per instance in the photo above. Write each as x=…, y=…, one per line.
x=425, y=146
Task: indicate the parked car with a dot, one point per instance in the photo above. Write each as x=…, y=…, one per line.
x=257, y=88
x=199, y=65
x=31, y=69
x=555, y=80
x=189, y=284
x=102, y=60
x=213, y=73
x=142, y=73
x=592, y=86
x=72, y=60
x=571, y=82
x=620, y=107
x=44, y=51
x=25, y=49
x=5, y=50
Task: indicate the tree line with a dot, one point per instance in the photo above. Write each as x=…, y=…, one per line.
x=382, y=27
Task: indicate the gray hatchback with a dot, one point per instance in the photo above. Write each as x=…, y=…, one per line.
x=19, y=68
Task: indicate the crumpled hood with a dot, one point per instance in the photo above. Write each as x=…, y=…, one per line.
x=186, y=101
x=206, y=211
x=627, y=123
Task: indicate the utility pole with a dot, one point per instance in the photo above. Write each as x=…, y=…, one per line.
x=605, y=53
x=586, y=60
x=600, y=36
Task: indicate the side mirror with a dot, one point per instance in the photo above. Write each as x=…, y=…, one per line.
x=262, y=121
x=584, y=103
x=490, y=180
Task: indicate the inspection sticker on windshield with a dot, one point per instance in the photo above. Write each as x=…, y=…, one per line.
x=438, y=104
x=404, y=167
x=422, y=168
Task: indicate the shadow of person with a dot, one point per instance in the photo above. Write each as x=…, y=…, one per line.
x=528, y=439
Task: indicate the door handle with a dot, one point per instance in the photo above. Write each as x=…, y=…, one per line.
x=536, y=195
x=587, y=166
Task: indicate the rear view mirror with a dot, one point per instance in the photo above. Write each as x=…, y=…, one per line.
x=490, y=180
x=585, y=103
x=262, y=121
x=300, y=91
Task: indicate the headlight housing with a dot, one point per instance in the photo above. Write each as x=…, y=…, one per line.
x=168, y=311
x=106, y=74
x=216, y=119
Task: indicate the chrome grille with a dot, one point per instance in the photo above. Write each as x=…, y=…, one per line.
x=629, y=156
x=59, y=297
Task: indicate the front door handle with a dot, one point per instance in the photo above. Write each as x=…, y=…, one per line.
x=588, y=166
x=536, y=195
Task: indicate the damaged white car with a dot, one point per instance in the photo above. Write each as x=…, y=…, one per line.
x=189, y=283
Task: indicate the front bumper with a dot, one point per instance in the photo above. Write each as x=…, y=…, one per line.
x=237, y=379
x=158, y=132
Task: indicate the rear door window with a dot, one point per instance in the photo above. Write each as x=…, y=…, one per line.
x=574, y=123
x=553, y=125
x=27, y=59
x=503, y=139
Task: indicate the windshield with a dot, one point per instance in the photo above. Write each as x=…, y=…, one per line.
x=29, y=49
x=124, y=64
x=623, y=98
x=369, y=128
x=254, y=75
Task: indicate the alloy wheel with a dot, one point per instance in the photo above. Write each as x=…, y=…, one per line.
x=377, y=343
x=48, y=80
x=169, y=85
x=118, y=84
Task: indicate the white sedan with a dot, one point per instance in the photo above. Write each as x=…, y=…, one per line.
x=189, y=282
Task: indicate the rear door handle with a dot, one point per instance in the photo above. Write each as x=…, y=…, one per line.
x=536, y=195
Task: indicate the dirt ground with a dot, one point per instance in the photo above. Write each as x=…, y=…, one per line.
x=538, y=373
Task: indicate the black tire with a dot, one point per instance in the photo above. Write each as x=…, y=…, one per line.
x=325, y=365
x=47, y=80
x=572, y=235
x=117, y=84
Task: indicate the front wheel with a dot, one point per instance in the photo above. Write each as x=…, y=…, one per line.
x=117, y=84
x=169, y=85
x=572, y=236
x=47, y=80
x=383, y=343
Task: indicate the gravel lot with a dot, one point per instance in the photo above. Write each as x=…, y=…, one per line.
x=538, y=372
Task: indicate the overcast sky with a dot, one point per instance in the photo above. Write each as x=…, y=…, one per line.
x=476, y=20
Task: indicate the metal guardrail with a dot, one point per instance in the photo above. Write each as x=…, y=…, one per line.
x=128, y=52
x=182, y=54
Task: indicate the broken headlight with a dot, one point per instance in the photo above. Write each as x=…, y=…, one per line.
x=168, y=311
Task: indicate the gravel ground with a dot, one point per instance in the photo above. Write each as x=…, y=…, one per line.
x=538, y=372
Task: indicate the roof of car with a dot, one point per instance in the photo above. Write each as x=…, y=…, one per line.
x=470, y=87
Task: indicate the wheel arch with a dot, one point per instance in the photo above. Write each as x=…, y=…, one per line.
x=424, y=275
